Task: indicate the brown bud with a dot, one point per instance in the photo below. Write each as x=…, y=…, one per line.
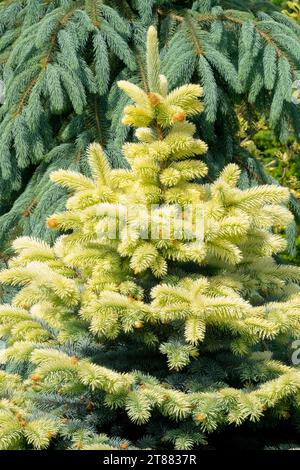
x=52, y=223
x=36, y=377
x=200, y=417
x=74, y=360
x=153, y=98
x=124, y=445
x=179, y=117
x=19, y=416
x=78, y=445
x=138, y=324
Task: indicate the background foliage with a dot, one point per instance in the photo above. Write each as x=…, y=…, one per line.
x=281, y=160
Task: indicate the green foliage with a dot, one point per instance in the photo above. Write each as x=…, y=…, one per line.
x=159, y=341
x=61, y=61
x=280, y=159
x=291, y=9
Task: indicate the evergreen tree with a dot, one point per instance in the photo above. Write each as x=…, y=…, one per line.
x=60, y=62
x=127, y=341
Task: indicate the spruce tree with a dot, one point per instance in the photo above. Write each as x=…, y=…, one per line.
x=60, y=62
x=124, y=341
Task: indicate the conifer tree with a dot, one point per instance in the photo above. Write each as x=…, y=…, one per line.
x=60, y=62
x=124, y=341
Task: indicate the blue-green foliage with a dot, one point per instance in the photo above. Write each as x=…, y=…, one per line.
x=60, y=61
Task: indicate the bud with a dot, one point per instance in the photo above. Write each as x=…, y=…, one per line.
x=179, y=117
x=19, y=416
x=154, y=99
x=74, y=360
x=138, y=324
x=52, y=223
x=124, y=445
x=36, y=377
x=200, y=417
